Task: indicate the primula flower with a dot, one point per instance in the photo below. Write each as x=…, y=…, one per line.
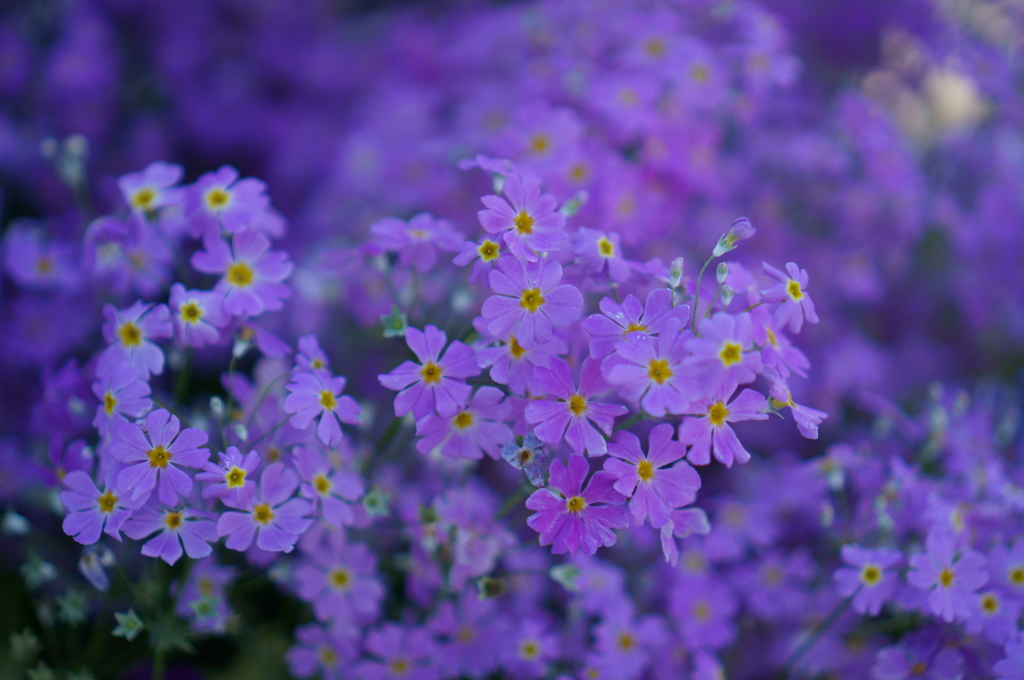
x=34, y=262
x=1012, y=667
x=131, y=332
x=951, y=582
x=871, y=580
x=711, y=433
x=650, y=371
x=333, y=489
x=151, y=189
x=597, y=251
x=573, y=519
x=573, y=408
x=994, y=613
x=434, y=384
x=527, y=651
x=807, y=418
x=230, y=479
x=723, y=344
x=219, y=199
x=197, y=316
x=471, y=625
x=476, y=429
x=484, y=255
x=176, y=526
x=512, y=364
x=323, y=651
x=791, y=291
x=528, y=303
x=272, y=515
x=91, y=511
x=252, y=282
x=531, y=224
x=920, y=654
x=616, y=320
x=528, y=457
x=654, y=489
x=418, y=240
x=318, y=394
x=339, y=579
x=1006, y=569
x=402, y=654
x=310, y=357
x=122, y=395
x=152, y=457
x=706, y=612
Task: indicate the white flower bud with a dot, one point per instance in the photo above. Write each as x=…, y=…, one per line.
x=721, y=271
x=675, y=272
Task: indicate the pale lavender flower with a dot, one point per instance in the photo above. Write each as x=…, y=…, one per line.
x=920, y=654
x=122, y=395
x=601, y=253
x=476, y=429
x=273, y=516
x=334, y=490
x=617, y=320
x=791, y=291
x=177, y=526
x=436, y=383
x=651, y=371
x=807, y=418
x=131, y=333
x=197, y=316
x=91, y=511
x=317, y=394
x=151, y=189
x=528, y=302
x=339, y=579
x=152, y=457
x=724, y=346
x=418, y=240
x=531, y=224
x=219, y=199
x=711, y=433
x=484, y=255
x=230, y=479
x=252, y=281
x=951, y=580
x=869, y=578
x=528, y=457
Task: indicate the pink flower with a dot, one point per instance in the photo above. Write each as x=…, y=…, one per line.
x=436, y=382
x=573, y=408
x=476, y=429
x=531, y=224
x=711, y=432
x=528, y=302
x=574, y=519
x=252, y=276
x=791, y=291
x=317, y=394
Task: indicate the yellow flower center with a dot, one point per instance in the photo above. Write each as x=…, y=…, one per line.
x=273, y=453
x=627, y=96
x=399, y=666
x=143, y=198
x=870, y=574
x=109, y=403
x=605, y=247
x=321, y=483
x=1017, y=576
x=919, y=668
x=575, y=504
x=771, y=337
x=44, y=265
x=700, y=73
x=327, y=656
x=632, y=328
x=431, y=372
x=463, y=420
x=191, y=312
x=990, y=603
x=578, y=172
x=158, y=456
x=524, y=455
x=235, y=478
x=531, y=300
x=107, y=502
x=514, y=348
x=524, y=223
x=626, y=642
x=217, y=198
x=701, y=610
x=262, y=513
x=465, y=634
x=658, y=371
x=577, y=404
x=489, y=250
x=172, y=520
x=946, y=577
x=130, y=334
x=341, y=578
x=717, y=414
x=645, y=470
x=317, y=363
x=540, y=143
x=732, y=353
x=240, y=274
x=327, y=400
x=655, y=47
x=529, y=649
x=793, y=288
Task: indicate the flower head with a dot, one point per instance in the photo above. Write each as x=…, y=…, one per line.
x=92, y=511
x=528, y=303
x=869, y=577
x=273, y=516
x=791, y=291
x=130, y=333
x=531, y=224
x=317, y=394
x=154, y=456
x=527, y=456
x=253, y=277
x=177, y=526
x=436, y=383
x=231, y=478
x=476, y=429
x=710, y=431
x=951, y=580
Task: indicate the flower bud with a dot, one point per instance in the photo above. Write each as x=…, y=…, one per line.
x=727, y=294
x=573, y=205
x=740, y=230
x=675, y=272
x=721, y=271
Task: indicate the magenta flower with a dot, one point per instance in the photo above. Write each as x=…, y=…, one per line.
x=436, y=383
x=197, y=316
x=654, y=489
x=617, y=320
x=476, y=429
x=724, y=344
x=219, y=199
x=252, y=282
x=273, y=516
x=484, y=255
x=151, y=189
x=176, y=526
x=418, y=240
x=122, y=395
x=951, y=581
x=333, y=489
x=531, y=224
x=791, y=291
x=572, y=408
x=573, y=519
x=91, y=511
x=599, y=253
x=318, y=394
x=131, y=332
x=871, y=579
x=338, y=578
x=230, y=479
x=152, y=457
x=650, y=371
x=711, y=432
x=528, y=303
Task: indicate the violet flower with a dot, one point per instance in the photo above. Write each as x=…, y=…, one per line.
x=724, y=345
x=476, y=429
x=122, y=395
x=600, y=253
x=401, y=654
x=791, y=291
x=131, y=333
x=339, y=579
x=177, y=527
x=531, y=224
x=527, y=301
x=197, y=316
x=651, y=371
x=617, y=320
x=484, y=255
x=324, y=651
x=528, y=457
x=951, y=582
x=418, y=240
x=273, y=516
x=871, y=580
x=151, y=189
x=230, y=479
x=317, y=394
x=91, y=511
x=152, y=457
x=711, y=433
x=252, y=281
x=219, y=199
x=334, y=490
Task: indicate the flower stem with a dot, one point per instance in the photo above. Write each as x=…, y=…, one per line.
x=696, y=296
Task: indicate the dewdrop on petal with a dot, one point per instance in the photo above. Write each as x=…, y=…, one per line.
x=740, y=230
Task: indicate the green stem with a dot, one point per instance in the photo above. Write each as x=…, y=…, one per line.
x=183, y=375
x=513, y=500
x=159, y=664
x=696, y=297
x=815, y=635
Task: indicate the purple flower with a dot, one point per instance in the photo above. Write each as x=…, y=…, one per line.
x=310, y=357
x=436, y=382
x=724, y=344
x=252, y=282
x=528, y=303
x=531, y=224
x=617, y=320
x=705, y=610
x=574, y=519
x=338, y=578
x=597, y=251
x=740, y=230
x=994, y=613
x=512, y=364
x=230, y=479
x=573, y=409
x=131, y=332
x=402, y=654
x=272, y=514
x=326, y=651
x=654, y=489
x=1012, y=667
x=318, y=394
x=219, y=199
x=650, y=371
x=418, y=240
x=36, y=263
x=322, y=485
x=176, y=526
x=153, y=455
x=91, y=511
x=484, y=255
x=471, y=625
x=526, y=652
x=476, y=429
x=951, y=582
x=920, y=654
x=1006, y=569
x=151, y=189
x=197, y=316
x=807, y=418
x=791, y=291
x=871, y=581
x=712, y=432
x=121, y=393
x=528, y=457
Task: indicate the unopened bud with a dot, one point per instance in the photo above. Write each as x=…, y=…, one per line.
x=573, y=205
x=675, y=272
x=740, y=230
x=499, y=182
x=77, y=146
x=721, y=272
x=727, y=294
x=241, y=431
x=217, y=406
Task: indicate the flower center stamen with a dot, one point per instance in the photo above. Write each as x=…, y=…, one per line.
x=870, y=575
x=524, y=223
x=431, y=372
x=191, y=312
x=327, y=400
x=262, y=513
x=463, y=420
x=717, y=414
x=531, y=300
x=732, y=353
x=605, y=247
x=658, y=371
x=172, y=520
x=107, y=502
x=645, y=470
x=217, y=198
x=575, y=504
x=130, y=334
x=577, y=404
x=235, y=478
x=158, y=457
x=240, y=274
x=488, y=250
x=321, y=483
x=793, y=288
